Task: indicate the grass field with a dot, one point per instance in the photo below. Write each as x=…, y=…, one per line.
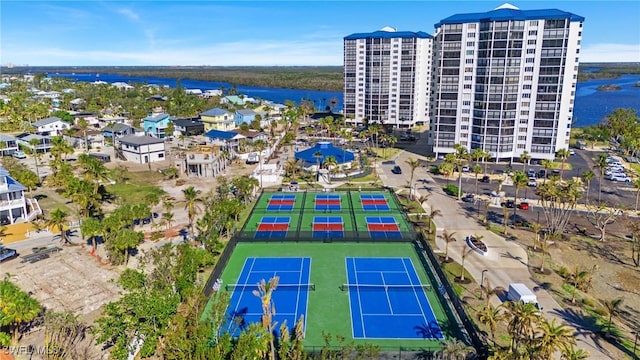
x=328, y=306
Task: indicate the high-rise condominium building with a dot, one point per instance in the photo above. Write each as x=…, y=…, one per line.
x=387, y=77
x=504, y=81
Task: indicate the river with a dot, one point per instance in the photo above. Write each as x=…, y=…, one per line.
x=591, y=105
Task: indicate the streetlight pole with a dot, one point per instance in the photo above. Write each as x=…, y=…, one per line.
x=482, y=278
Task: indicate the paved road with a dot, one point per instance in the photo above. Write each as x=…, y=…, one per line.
x=506, y=261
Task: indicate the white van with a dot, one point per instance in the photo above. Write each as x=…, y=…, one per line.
x=520, y=292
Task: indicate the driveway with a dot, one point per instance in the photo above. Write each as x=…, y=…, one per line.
x=506, y=262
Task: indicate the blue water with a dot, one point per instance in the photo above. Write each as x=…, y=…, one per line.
x=321, y=99
x=591, y=105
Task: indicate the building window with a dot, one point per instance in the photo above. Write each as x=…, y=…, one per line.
x=161, y=155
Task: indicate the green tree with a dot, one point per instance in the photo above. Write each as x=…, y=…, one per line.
x=520, y=179
x=34, y=144
x=571, y=353
x=490, y=317
x=553, y=337
x=448, y=238
x=636, y=185
x=562, y=154
x=91, y=228
x=58, y=220
x=521, y=323
x=525, y=157
x=600, y=165
x=260, y=146
x=587, y=176
x=191, y=203
x=476, y=169
x=558, y=200
x=265, y=293
x=612, y=307
x=126, y=240
x=461, y=158
x=16, y=307
x=413, y=165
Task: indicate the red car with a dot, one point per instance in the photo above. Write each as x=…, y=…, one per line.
x=523, y=206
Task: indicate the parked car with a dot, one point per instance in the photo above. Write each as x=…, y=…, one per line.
x=542, y=173
x=485, y=179
x=621, y=178
x=19, y=155
x=7, y=254
x=396, y=170
x=572, y=152
x=532, y=182
x=466, y=168
x=523, y=206
x=509, y=204
x=468, y=198
x=531, y=173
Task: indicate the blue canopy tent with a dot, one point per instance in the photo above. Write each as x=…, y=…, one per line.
x=326, y=149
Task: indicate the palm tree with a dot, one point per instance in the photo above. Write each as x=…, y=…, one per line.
x=318, y=155
x=521, y=325
x=536, y=227
x=546, y=164
x=19, y=308
x=519, y=179
x=601, y=165
x=330, y=163
x=448, y=238
x=413, y=164
x=454, y=349
x=577, y=276
x=477, y=169
x=569, y=352
x=587, y=176
x=91, y=228
x=127, y=239
x=260, y=146
x=168, y=217
x=432, y=214
x=562, y=154
x=60, y=147
x=466, y=250
x=612, y=308
x=34, y=144
x=553, y=337
x=461, y=158
x=490, y=316
x=525, y=157
x=83, y=125
x=58, y=220
x=191, y=200
x=636, y=185
x=505, y=218
x=265, y=293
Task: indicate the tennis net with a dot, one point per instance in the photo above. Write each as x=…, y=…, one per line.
x=309, y=287
x=408, y=287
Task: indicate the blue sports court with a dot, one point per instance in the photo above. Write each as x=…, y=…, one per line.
x=383, y=227
x=328, y=202
x=388, y=301
x=290, y=297
x=273, y=227
x=374, y=202
x=328, y=227
x=281, y=202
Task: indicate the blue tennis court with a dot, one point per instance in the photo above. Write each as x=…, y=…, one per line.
x=374, y=202
x=328, y=227
x=325, y=202
x=273, y=227
x=383, y=227
x=388, y=301
x=279, y=202
x=290, y=297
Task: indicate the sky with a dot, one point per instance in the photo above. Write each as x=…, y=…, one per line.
x=259, y=33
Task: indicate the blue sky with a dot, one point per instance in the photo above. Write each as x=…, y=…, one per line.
x=226, y=33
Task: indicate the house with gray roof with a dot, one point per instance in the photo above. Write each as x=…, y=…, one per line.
x=8, y=144
x=51, y=126
x=244, y=116
x=43, y=143
x=142, y=149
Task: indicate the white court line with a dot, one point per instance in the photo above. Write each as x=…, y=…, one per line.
x=346, y=266
x=386, y=293
x=412, y=315
x=386, y=271
x=306, y=310
x=235, y=310
x=299, y=289
x=415, y=294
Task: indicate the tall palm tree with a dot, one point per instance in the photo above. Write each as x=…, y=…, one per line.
x=562, y=154
x=553, y=337
x=519, y=179
x=461, y=158
x=83, y=125
x=525, y=157
x=612, y=307
x=476, y=169
x=91, y=228
x=127, y=239
x=34, y=144
x=490, y=316
x=466, y=250
x=521, y=324
x=600, y=165
x=330, y=164
x=587, y=176
x=636, y=185
x=546, y=164
x=536, y=227
x=413, y=164
x=58, y=221
x=191, y=201
x=448, y=238
x=260, y=146
x=318, y=155
x=265, y=293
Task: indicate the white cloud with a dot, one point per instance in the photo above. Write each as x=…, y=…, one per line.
x=128, y=13
x=223, y=54
x=610, y=53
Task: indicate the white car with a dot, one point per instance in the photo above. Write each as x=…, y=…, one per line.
x=621, y=178
x=532, y=182
x=19, y=155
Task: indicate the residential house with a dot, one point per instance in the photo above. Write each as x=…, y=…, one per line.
x=8, y=144
x=251, y=135
x=14, y=206
x=51, y=126
x=205, y=161
x=142, y=149
x=232, y=99
x=91, y=118
x=77, y=104
x=193, y=92
x=79, y=138
x=156, y=124
x=44, y=142
x=122, y=85
x=212, y=93
x=244, y=116
x=117, y=131
x=158, y=97
x=107, y=120
x=217, y=119
x=188, y=127
x=226, y=139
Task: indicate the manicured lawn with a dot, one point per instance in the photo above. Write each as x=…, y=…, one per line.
x=137, y=186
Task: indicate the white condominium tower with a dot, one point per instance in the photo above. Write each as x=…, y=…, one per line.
x=505, y=81
x=387, y=77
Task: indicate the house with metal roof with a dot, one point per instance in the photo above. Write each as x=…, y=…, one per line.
x=14, y=206
x=51, y=126
x=118, y=130
x=228, y=139
x=8, y=144
x=188, y=127
x=156, y=124
x=232, y=99
x=244, y=116
x=43, y=143
x=217, y=119
x=142, y=149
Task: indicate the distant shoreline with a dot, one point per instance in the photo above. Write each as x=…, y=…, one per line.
x=609, y=87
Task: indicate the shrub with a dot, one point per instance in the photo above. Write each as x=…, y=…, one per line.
x=588, y=302
x=601, y=311
x=451, y=190
x=563, y=272
x=180, y=182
